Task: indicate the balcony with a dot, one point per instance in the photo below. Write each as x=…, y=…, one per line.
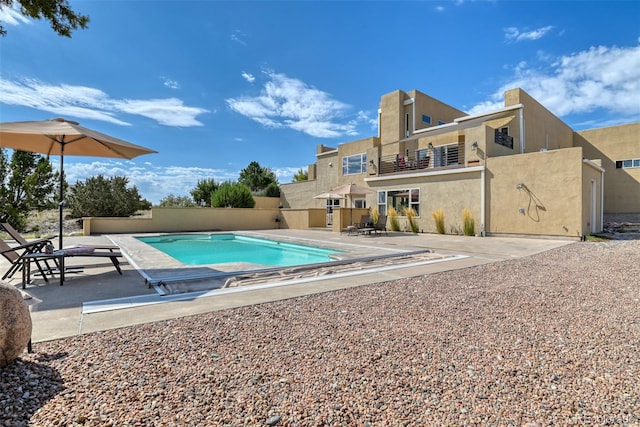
x=440, y=157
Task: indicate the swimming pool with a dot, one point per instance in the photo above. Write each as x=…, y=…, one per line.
x=201, y=249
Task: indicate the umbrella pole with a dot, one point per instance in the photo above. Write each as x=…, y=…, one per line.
x=61, y=195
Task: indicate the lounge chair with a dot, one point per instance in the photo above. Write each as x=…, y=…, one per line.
x=19, y=238
x=62, y=254
x=381, y=225
x=19, y=255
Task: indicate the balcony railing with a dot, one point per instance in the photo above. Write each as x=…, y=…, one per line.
x=442, y=156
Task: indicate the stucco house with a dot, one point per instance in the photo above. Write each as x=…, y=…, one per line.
x=519, y=170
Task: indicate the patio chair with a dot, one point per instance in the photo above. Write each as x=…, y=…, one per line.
x=19, y=255
x=381, y=225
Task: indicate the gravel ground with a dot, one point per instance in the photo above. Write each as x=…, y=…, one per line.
x=551, y=339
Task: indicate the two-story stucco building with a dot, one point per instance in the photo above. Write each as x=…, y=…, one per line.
x=519, y=170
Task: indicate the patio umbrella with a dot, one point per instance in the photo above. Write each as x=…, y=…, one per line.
x=329, y=196
x=65, y=137
x=351, y=190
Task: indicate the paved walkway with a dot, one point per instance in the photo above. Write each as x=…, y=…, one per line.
x=57, y=312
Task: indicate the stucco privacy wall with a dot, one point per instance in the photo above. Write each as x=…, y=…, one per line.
x=188, y=219
x=622, y=186
x=536, y=194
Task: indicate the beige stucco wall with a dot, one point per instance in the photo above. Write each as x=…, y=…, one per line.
x=186, y=219
x=450, y=191
x=622, y=186
x=296, y=195
x=546, y=186
x=543, y=130
x=302, y=219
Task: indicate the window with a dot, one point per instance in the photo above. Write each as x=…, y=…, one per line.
x=399, y=199
x=426, y=119
x=360, y=203
x=628, y=164
x=355, y=164
x=440, y=123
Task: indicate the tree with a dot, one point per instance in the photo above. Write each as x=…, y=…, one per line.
x=256, y=177
x=232, y=195
x=100, y=196
x=58, y=12
x=27, y=182
x=172, y=201
x=203, y=192
x=301, y=175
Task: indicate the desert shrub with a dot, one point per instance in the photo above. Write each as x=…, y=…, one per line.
x=173, y=201
x=394, y=222
x=100, y=196
x=411, y=214
x=438, y=217
x=273, y=190
x=469, y=226
x=232, y=195
x=374, y=214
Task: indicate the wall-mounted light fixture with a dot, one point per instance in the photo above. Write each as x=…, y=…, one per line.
x=474, y=146
x=330, y=164
x=371, y=162
x=521, y=210
x=430, y=146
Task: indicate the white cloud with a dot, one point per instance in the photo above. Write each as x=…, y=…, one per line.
x=89, y=103
x=286, y=102
x=171, y=84
x=238, y=37
x=12, y=16
x=600, y=78
x=439, y=8
x=513, y=34
x=248, y=77
x=155, y=183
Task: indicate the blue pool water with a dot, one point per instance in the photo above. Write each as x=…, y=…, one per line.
x=199, y=249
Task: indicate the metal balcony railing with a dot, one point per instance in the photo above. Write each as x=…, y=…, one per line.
x=442, y=156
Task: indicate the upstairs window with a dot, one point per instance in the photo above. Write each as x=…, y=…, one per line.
x=426, y=119
x=352, y=165
x=628, y=164
x=440, y=123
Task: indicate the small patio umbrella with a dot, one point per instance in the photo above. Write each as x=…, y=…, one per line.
x=351, y=190
x=64, y=137
x=329, y=196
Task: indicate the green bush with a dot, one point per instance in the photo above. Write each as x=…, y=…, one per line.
x=273, y=190
x=438, y=217
x=172, y=201
x=100, y=196
x=232, y=195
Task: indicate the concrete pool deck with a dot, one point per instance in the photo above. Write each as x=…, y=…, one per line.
x=57, y=312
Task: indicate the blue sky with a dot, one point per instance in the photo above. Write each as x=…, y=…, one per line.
x=214, y=85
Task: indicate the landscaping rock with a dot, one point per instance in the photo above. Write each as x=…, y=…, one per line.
x=15, y=324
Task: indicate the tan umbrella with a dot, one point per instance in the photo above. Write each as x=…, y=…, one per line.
x=330, y=196
x=64, y=137
x=351, y=190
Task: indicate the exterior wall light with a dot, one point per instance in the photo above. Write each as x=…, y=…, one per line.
x=474, y=146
